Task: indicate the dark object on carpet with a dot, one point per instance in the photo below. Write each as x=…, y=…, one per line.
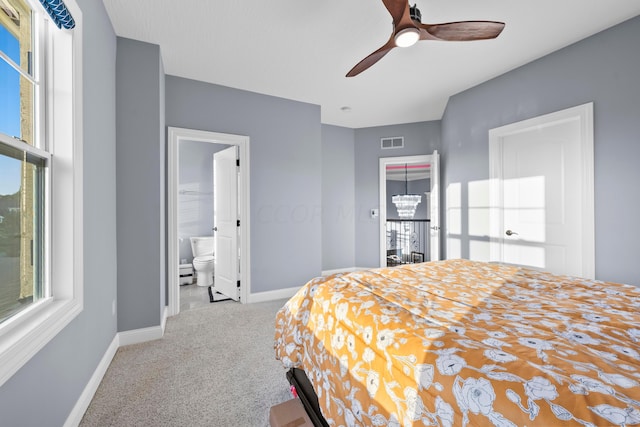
x=215, y=296
x=304, y=390
x=289, y=414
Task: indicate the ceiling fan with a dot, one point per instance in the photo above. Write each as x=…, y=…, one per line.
x=408, y=29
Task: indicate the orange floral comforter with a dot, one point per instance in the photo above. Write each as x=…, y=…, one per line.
x=466, y=343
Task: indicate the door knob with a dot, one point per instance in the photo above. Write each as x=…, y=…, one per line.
x=510, y=233
x=215, y=228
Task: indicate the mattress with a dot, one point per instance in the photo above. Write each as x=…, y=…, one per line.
x=460, y=342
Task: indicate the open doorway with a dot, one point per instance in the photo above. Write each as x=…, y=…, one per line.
x=196, y=221
x=409, y=231
x=179, y=245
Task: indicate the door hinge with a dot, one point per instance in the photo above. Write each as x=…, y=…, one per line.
x=238, y=223
x=238, y=162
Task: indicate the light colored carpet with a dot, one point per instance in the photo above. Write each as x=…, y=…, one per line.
x=215, y=366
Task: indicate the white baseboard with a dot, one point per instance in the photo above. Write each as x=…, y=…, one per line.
x=137, y=336
x=343, y=270
x=289, y=292
x=272, y=295
x=163, y=321
x=122, y=338
x=153, y=333
x=74, y=418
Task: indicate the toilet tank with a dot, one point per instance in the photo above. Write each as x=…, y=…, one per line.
x=201, y=246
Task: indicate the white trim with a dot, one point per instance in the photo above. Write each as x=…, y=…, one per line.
x=27, y=333
x=289, y=292
x=23, y=146
x=17, y=68
x=31, y=331
x=175, y=135
x=343, y=270
x=584, y=114
x=137, y=336
x=163, y=321
x=173, y=268
x=78, y=154
x=382, y=186
x=90, y=389
x=272, y=295
x=496, y=214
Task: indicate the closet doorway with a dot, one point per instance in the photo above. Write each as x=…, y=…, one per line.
x=175, y=191
x=414, y=237
x=542, y=192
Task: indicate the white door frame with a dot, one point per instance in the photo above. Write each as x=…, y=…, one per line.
x=174, y=137
x=434, y=208
x=384, y=161
x=582, y=113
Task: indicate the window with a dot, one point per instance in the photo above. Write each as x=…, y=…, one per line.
x=22, y=168
x=22, y=196
x=40, y=176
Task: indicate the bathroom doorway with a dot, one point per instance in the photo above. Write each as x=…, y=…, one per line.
x=191, y=213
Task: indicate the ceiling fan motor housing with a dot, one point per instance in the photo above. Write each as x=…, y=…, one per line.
x=415, y=13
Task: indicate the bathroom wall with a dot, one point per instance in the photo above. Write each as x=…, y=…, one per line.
x=195, y=192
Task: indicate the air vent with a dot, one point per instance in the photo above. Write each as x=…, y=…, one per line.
x=391, y=143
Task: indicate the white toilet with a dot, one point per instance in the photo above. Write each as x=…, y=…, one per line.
x=203, y=260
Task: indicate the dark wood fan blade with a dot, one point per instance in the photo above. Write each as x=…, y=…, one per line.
x=461, y=31
x=372, y=58
x=397, y=9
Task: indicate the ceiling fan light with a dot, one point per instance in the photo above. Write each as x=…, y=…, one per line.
x=407, y=37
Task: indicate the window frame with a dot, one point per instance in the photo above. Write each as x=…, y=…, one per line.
x=58, y=125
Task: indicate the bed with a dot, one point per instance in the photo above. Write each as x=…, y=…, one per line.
x=459, y=342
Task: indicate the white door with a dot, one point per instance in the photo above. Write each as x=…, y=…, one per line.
x=225, y=218
x=543, y=195
x=434, y=209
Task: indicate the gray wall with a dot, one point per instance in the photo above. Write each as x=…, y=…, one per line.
x=338, y=198
x=56, y=376
x=162, y=182
x=419, y=138
x=195, y=192
x=285, y=175
x=286, y=146
x=602, y=69
x=140, y=166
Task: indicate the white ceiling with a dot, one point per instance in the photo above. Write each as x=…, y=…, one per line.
x=302, y=49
